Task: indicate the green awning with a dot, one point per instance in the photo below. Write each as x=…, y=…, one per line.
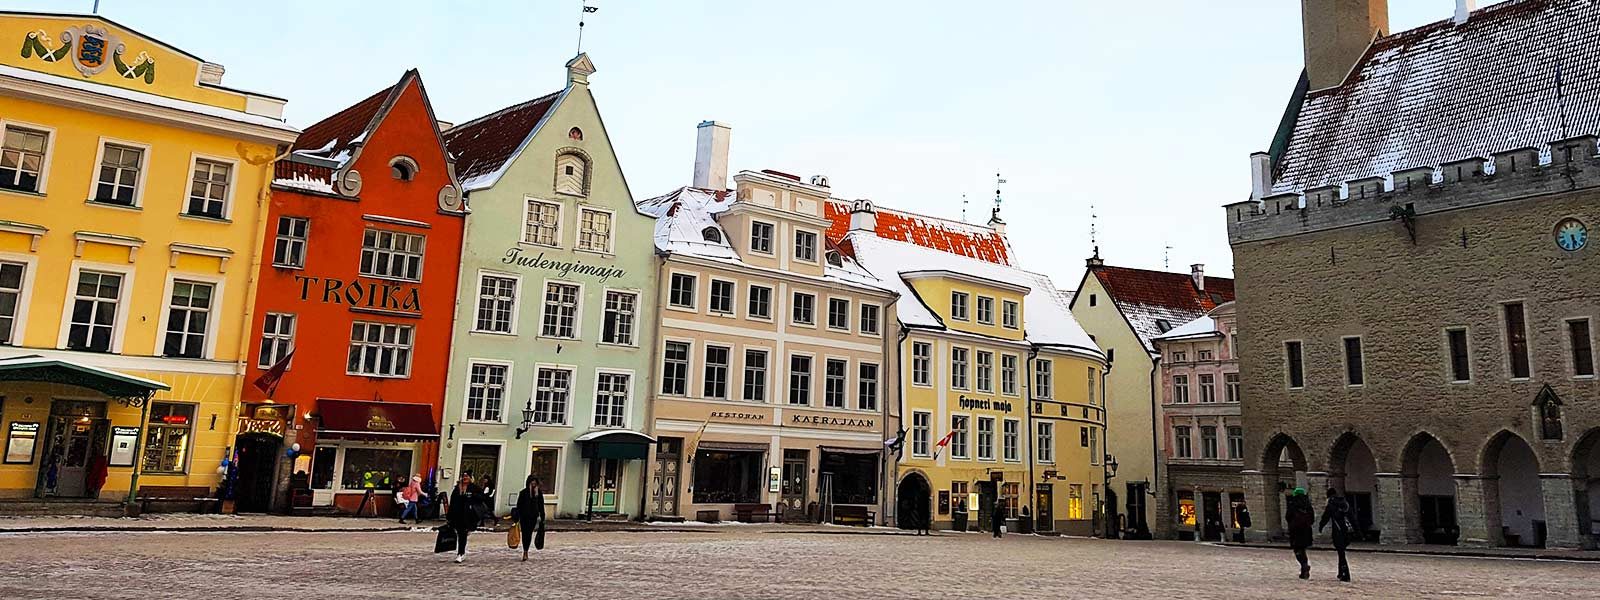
x=619, y=444
x=35, y=368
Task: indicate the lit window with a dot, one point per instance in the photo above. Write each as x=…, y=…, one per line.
x=166, y=445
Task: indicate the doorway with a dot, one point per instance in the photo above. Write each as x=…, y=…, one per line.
x=664, y=483
x=987, y=493
x=482, y=462
x=602, y=491
x=77, y=436
x=914, y=502
x=258, y=461
x=1043, y=514
x=796, y=465
x=1211, y=525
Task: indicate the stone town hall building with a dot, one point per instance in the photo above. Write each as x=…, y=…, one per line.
x=1417, y=293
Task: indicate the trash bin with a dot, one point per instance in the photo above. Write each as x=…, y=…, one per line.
x=958, y=520
x=1025, y=524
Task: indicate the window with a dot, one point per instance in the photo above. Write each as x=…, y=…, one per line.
x=869, y=319
x=681, y=292
x=611, y=399
x=834, y=384
x=675, y=369
x=542, y=223
x=985, y=310
x=761, y=237
x=1460, y=368
x=716, y=373
x=22, y=159
x=552, y=390
x=1008, y=314
x=1047, y=442
x=1041, y=379
x=800, y=380
x=1231, y=382
x=277, y=339
x=188, y=318
x=1008, y=440
x=867, y=386
x=119, y=174
x=208, y=191
x=1203, y=355
x=1094, y=446
x=594, y=230
x=958, y=496
x=1208, y=442
x=958, y=368
x=560, y=310
x=839, y=314
x=486, y=392
x=755, y=375
x=392, y=255
x=985, y=438
x=497, y=303
x=958, y=306
x=1092, y=299
x=571, y=174
x=1235, y=442
x=1354, y=373
x=289, y=248
x=721, y=297
x=1179, y=356
x=760, y=302
x=401, y=168
x=1083, y=436
x=1009, y=493
x=166, y=444
x=1075, y=501
x=958, y=437
x=985, y=371
x=367, y=468
x=1180, y=442
x=545, y=463
x=1297, y=373
x=94, y=311
x=1517, y=340
x=921, y=363
x=805, y=308
x=618, y=327
x=1091, y=387
x=1180, y=389
x=379, y=350
x=1208, y=388
x=805, y=246
x=921, y=432
x=711, y=234
x=1008, y=374
x=1582, y=347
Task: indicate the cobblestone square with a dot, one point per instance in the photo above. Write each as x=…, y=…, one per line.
x=732, y=562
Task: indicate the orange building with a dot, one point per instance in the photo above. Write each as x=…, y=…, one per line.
x=360, y=260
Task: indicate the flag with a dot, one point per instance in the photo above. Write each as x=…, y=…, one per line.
x=897, y=444
x=698, y=434
x=268, y=381
x=944, y=441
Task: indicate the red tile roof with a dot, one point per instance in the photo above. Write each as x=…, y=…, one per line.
x=1444, y=92
x=330, y=136
x=1157, y=301
x=483, y=145
x=955, y=237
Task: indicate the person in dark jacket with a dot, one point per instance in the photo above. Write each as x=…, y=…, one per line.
x=1301, y=518
x=997, y=520
x=486, y=494
x=1337, y=513
x=463, y=515
x=529, y=513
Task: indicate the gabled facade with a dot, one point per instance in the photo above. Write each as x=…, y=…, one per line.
x=555, y=326
x=1202, y=437
x=133, y=188
x=358, y=276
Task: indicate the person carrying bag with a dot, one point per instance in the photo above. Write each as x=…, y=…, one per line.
x=529, y=515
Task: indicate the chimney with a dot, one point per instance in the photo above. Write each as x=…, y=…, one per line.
x=1260, y=175
x=1197, y=272
x=863, y=217
x=995, y=222
x=1337, y=33
x=579, y=69
x=211, y=73
x=1464, y=9
x=444, y=125
x=711, y=156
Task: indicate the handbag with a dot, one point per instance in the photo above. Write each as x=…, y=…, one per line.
x=514, y=535
x=446, y=540
x=538, y=536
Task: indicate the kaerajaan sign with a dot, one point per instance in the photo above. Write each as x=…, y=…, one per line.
x=362, y=294
x=830, y=421
x=514, y=256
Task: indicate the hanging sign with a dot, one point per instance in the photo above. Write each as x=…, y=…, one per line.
x=267, y=426
x=123, y=442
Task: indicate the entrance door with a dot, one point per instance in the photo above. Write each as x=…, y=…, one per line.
x=1439, y=520
x=664, y=483
x=914, y=503
x=1138, y=526
x=1211, y=524
x=482, y=461
x=986, y=498
x=258, y=461
x=603, y=477
x=77, y=436
x=796, y=465
x=1044, y=516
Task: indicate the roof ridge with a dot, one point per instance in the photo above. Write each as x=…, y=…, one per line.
x=917, y=214
x=491, y=115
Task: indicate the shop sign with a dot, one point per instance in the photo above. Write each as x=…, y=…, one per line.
x=774, y=477
x=514, y=256
x=984, y=404
x=267, y=426
x=359, y=294
x=831, y=421
x=123, y=441
x=738, y=416
x=378, y=422
x=20, y=442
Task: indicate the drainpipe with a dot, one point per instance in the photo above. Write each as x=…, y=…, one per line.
x=899, y=400
x=1155, y=448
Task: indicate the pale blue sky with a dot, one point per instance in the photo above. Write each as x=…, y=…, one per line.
x=1146, y=108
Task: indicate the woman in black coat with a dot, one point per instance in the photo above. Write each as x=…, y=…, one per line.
x=1301, y=519
x=1337, y=513
x=529, y=513
x=463, y=514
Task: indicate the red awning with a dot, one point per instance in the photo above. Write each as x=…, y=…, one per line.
x=362, y=420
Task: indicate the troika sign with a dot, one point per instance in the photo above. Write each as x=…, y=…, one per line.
x=361, y=294
x=514, y=256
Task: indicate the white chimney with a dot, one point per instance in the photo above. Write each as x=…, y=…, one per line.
x=711, y=156
x=1197, y=272
x=1464, y=9
x=863, y=217
x=211, y=73
x=1260, y=175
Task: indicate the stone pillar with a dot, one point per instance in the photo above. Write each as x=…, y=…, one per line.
x=1478, y=511
x=1266, y=522
x=1398, y=519
x=1164, y=527
x=1566, y=512
x=1317, y=490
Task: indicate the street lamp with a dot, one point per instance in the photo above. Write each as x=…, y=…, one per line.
x=527, y=419
x=1111, y=467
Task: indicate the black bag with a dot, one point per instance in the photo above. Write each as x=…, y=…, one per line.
x=446, y=540
x=538, y=537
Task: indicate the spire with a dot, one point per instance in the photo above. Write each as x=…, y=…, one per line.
x=995, y=222
x=1094, y=261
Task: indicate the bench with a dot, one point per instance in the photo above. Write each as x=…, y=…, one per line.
x=746, y=513
x=708, y=516
x=198, y=495
x=844, y=514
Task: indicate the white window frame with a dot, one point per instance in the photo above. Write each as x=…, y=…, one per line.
x=422, y=256
x=1011, y=452
x=411, y=349
x=305, y=242
x=927, y=373
x=861, y=384
x=816, y=246
x=1215, y=449
x=965, y=370
x=1180, y=389
x=849, y=313
x=733, y=297
x=552, y=488
x=527, y=213
x=727, y=370
x=694, y=291
x=633, y=324
x=1044, y=378
x=1182, y=445
x=772, y=302
x=811, y=379
x=505, y=392
x=627, y=397
x=1045, y=443
x=577, y=309
x=772, y=238
x=688, y=368
x=516, y=302
x=1010, y=314
x=227, y=200
x=1009, y=386
x=965, y=305
x=794, y=304
x=977, y=309
x=985, y=450
x=861, y=322
x=844, y=382
x=213, y=315
x=927, y=440
x=572, y=395
x=978, y=382
x=1232, y=391
x=119, y=328
x=44, y=164
x=138, y=188
x=278, y=339
x=611, y=231
x=1208, y=391
x=30, y=268
x=964, y=435
x=766, y=374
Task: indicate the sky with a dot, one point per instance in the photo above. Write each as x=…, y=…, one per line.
x=1141, y=112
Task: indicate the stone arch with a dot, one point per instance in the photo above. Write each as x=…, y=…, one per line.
x=1513, y=499
x=913, y=501
x=1283, y=466
x=1353, y=470
x=1279, y=446
x=1586, y=482
x=1428, y=491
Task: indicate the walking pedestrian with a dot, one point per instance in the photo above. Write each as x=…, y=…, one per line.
x=1244, y=521
x=463, y=515
x=997, y=516
x=1301, y=518
x=530, y=513
x=411, y=497
x=486, y=493
x=1337, y=512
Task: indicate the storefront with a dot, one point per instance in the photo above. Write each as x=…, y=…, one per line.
x=728, y=473
x=849, y=475
x=606, y=451
x=367, y=447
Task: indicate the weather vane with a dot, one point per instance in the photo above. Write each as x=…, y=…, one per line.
x=997, y=182
x=586, y=10
x=1166, y=258
x=963, y=208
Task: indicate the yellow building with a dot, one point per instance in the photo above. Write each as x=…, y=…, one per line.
x=132, y=186
x=1000, y=391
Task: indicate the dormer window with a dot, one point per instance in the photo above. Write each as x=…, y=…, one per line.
x=834, y=259
x=711, y=234
x=1163, y=325
x=403, y=168
x=572, y=174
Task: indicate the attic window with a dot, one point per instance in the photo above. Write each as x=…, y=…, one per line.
x=711, y=234
x=572, y=176
x=575, y=134
x=403, y=168
x=1091, y=299
x=834, y=259
x=1163, y=325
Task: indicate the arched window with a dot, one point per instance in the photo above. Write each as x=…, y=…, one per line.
x=834, y=259
x=711, y=234
x=403, y=168
x=575, y=134
x=572, y=174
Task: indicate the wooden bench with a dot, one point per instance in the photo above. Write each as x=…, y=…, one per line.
x=198, y=495
x=746, y=513
x=847, y=514
x=708, y=516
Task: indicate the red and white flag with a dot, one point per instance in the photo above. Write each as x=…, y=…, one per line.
x=944, y=441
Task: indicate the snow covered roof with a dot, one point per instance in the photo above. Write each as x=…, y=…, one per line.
x=485, y=145
x=1445, y=92
x=955, y=237
x=328, y=145
x=1046, y=317
x=1155, y=302
x=1205, y=326
x=236, y=116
